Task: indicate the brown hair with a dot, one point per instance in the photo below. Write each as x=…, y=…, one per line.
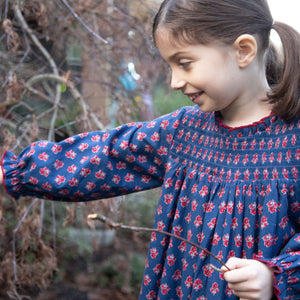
x=205, y=21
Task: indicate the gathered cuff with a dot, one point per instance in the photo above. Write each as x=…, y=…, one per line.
x=286, y=274
x=276, y=270
x=5, y=177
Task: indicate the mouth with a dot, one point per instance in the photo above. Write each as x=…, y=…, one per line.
x=194, y=96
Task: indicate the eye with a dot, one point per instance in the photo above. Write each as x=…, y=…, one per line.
x=184, y=64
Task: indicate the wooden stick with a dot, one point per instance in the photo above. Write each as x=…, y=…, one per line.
x=114, y=225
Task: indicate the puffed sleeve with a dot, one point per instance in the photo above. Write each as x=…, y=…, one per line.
x=93, y=165
x=287, y=264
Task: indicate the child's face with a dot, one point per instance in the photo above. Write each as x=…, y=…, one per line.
x=208, y=74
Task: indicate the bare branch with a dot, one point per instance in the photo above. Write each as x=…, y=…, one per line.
x=35, y=40
x=75, y=93
x=114, y=225
x=90, y=31
x=51, y=61
x=14, y=235
x=10, y=73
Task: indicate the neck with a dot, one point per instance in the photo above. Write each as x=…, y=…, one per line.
x=251, y=105
x=249, y=111
x=246, y=117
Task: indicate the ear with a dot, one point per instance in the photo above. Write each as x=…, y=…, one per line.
x=246, y=49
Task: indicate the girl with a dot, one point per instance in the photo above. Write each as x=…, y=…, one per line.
x=228, y=166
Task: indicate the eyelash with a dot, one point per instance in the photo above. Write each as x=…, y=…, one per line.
x=185, y=65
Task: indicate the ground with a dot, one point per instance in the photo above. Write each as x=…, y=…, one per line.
x=113, y=272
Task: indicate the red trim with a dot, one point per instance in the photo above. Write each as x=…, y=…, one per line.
x=221, y=124
x=4, y=177
x=276, y=269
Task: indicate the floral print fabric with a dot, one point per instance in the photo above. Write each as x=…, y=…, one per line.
x=234, y=191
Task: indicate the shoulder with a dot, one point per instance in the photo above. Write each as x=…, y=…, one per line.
x=184, y=111
x=178, y=116
x=286, y=128
x=193, y=113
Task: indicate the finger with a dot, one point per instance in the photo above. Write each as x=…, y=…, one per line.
x=239, y=270
x=242, y=287
x=231, y=264
x=236, y=276
x=236, y=263
x=247, y=296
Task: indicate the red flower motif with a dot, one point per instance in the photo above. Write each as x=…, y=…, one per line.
x=73, y=182
x=171, y=260
x=129, y=177
x=72, y=169
x=56, y=148
x=70, y=154
x=214, y=289
x=85, y=172
x=95, y=160
x=60, y=179
x=44, y=171
x=43, y=156
x=189, y=281
x=90, y=185
x=83, y=146
x=153, y=252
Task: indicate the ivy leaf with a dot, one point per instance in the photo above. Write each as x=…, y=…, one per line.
x=63, y=88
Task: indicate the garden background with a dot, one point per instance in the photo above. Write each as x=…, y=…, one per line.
x=68, y=67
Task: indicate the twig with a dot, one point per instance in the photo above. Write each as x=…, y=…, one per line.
x=53, y=65
x=69, y=84
x=6, y=9
x=217, y=269
x=11, y=72
x=53, y=227
x=14, y=107
x=114, y=225
x=22, y=135
x=41, y=95
x=14, y=236
x=42, y=210
x=75, y=93
x=90, y=31
x=35, y=40
x=51, y=61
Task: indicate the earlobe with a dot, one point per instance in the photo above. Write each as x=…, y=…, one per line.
x=246, y=49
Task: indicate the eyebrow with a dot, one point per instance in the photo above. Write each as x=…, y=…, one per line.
x=175, y=56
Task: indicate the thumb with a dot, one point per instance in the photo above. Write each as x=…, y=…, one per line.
x=235, y=263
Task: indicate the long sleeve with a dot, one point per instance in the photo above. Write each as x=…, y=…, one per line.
x=287, y=264
x=93, y=165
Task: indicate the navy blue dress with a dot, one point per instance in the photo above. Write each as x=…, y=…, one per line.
x=234, y=191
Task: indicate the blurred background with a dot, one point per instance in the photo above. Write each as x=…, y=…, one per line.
x=67, y=67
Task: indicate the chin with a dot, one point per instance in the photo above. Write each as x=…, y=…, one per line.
x=206, y=109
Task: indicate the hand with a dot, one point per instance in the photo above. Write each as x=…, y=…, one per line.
x=249, y=279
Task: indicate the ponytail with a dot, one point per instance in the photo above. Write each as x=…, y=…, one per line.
x=284, y=78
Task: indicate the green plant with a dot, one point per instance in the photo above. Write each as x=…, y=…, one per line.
x=167, y=101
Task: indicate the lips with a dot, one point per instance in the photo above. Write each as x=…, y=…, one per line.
x=194, y=96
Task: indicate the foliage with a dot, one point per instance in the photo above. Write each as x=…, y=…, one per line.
x=48, y=49
x=166, y=101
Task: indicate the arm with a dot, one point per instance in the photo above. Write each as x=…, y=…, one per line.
x=280, y=272
x=93, y=165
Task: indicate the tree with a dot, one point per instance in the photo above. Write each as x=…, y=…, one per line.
x=59, y=60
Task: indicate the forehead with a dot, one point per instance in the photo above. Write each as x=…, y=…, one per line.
x=167, y=43
x=164, y=35
x=169, y=46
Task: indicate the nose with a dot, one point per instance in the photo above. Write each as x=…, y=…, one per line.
x=177, y=81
